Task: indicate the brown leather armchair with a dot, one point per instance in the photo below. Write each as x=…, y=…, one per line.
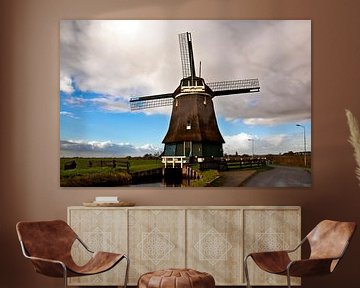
x=328, y=242
x=48, y=245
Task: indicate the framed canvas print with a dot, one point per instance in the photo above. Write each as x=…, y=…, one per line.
x=185, y=103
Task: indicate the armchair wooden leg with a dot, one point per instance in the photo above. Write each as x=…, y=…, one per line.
x=246, y=272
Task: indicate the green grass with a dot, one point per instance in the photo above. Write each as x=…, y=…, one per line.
x=136, y=164
x=83, y=175
x=207, y=176
x=144, y=164
x=94, y=177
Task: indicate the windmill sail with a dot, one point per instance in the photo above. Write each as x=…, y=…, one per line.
x=186, y=55
x=234, y=87
x=139, y=103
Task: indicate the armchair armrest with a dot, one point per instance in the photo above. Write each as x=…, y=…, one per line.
x=298, y=246
x=49, y=267
x=84, y=245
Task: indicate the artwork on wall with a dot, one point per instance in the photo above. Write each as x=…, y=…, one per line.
x=185, y=103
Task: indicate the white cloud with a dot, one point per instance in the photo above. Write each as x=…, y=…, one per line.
x=81, y=148
x=271, y=121
x=113, y=104
x=276, y=140
x=76, y=101
x=237, y=143
x=68, y=114
x=66, y=85
x=115, y=57
x=269, y=144
x=122, y=59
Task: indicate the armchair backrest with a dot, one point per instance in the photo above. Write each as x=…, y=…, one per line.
x=329, y=239
x=46, y=239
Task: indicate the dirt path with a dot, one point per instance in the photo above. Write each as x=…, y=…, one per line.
x=233, y=178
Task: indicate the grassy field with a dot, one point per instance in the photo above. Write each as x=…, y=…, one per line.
x=88, y=171
x=136, y=164
x=207, y=177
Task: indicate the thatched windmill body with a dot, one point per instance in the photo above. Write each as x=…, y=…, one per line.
x=193, y=129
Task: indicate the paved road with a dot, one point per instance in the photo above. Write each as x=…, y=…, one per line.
x=281, y=176
x=234, y=178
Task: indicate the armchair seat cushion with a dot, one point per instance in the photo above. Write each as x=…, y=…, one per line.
x=99, y=262
x=272, y=262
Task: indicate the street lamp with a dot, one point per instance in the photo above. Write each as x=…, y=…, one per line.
x=252, y=140
x=304, y=142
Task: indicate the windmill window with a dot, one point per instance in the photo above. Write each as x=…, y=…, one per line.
x=188, y=125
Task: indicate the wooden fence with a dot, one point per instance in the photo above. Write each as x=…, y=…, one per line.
x=124, y=165
x=241, y=163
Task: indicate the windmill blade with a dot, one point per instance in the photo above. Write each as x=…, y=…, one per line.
x=186, y=55
x=234, y=87
x=153, y=101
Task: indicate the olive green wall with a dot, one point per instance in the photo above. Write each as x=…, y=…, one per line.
x=29, y=119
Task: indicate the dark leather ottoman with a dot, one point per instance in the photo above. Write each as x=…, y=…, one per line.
x=176, y=278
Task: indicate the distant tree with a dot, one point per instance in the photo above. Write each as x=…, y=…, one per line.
x=148, y=156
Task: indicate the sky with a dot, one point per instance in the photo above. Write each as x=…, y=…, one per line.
x=103, y=63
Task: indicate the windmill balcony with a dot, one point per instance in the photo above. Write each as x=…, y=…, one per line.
x=192, y=89
x=190, y=85
x=174, y=161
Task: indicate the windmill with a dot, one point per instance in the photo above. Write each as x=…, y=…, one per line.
x=193, y=129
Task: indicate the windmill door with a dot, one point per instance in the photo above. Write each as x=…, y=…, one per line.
x=187, y=148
